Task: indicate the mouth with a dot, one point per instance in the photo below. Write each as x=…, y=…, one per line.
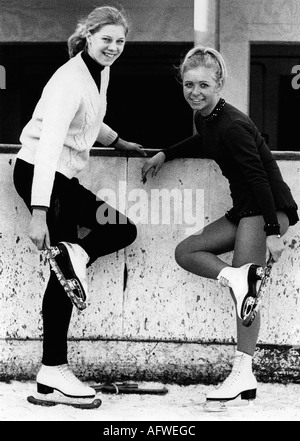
x=108, y=55
x=196, y=101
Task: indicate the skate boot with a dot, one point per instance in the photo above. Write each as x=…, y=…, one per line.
x=240, y=383
x=58, y=385
x=69, y=262
x=245, y=284
x=62, y=379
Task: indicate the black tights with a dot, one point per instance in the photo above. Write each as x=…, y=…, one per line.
x=71, y=206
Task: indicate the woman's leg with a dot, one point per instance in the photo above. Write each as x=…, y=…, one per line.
x=250, y=247
x=56, y=307
x=110, y=230
x=73, y=205
x=198, y=253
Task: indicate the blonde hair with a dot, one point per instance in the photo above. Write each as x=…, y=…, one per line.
x=207, y=57
x=97, y=19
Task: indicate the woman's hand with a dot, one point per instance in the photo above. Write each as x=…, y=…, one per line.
x=155, y=164
x=275, y=247
x=38, y=230
x=130, y=146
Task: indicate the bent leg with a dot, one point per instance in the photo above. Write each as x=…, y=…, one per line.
x=250, y=247
x=56, y=307
x=198, y=253
x=115, y=233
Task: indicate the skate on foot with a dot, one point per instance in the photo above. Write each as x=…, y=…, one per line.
x=58, y=385
x=240, y=384
x=69, y=261
x=245, y=283
x=264, y=274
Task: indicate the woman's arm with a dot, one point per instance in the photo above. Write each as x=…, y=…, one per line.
x=190, y=147
x=240, y=141
x=60, y=103
x=59, y=108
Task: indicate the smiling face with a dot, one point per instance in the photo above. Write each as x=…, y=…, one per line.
x=201, y=90
x=106, y=45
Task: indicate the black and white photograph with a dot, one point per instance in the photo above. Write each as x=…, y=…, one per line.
x=149, y=215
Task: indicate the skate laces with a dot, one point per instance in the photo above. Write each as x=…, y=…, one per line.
x=223, y=281
x=68, y=374
x=234, y=373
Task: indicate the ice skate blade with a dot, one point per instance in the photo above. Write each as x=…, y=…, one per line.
x=68, y=285
x=225, y=406
x=128, y=388
x=215, y=406
x=252, y=305
x=56, y=399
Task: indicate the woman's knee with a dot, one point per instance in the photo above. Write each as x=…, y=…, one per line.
x=283, y=221
x=181, y=254
x=131, y=232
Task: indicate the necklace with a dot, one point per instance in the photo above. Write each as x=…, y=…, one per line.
x=216, y=110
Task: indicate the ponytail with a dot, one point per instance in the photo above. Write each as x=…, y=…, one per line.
x=77, y=41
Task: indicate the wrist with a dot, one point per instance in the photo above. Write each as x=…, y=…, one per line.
x=113, y=144
x=119, y=144
x=272, y=229
x=39, y=213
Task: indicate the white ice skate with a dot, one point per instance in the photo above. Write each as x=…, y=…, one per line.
x=241, y=383
x=62, y=379
x=69, y=262
x=58, y=385
x=245, y=285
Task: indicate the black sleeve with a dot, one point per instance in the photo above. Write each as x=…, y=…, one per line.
x=239, y=139
x=188, y=148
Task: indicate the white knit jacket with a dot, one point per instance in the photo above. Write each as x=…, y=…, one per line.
x=66, y=122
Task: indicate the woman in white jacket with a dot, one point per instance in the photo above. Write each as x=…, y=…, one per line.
x=66, y=123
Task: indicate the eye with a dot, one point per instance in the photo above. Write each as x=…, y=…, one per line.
x=188, y=85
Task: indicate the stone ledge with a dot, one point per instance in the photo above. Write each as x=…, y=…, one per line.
x=106, y=151
x=181, y=363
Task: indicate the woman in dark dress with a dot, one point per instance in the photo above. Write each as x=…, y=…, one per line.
x=263, y=207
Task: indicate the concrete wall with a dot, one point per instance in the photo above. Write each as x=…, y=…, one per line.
x=166, y=324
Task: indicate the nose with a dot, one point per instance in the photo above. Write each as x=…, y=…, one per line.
x=113, y=46
x=196, y=90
